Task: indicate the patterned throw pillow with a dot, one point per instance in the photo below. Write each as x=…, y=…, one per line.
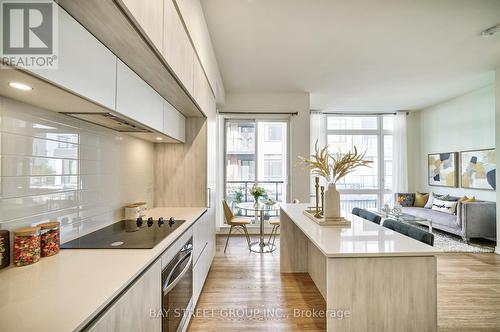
x=405, y=199
x=420, y=199
x=444, y=206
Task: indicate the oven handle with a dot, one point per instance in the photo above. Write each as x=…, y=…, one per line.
x=167, y=287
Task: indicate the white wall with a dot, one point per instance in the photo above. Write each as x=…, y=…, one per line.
x=37, y=147
x=299, y=128
x=464, y=123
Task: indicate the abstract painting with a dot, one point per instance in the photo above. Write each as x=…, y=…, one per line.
x=443, y=169
x=478, y=169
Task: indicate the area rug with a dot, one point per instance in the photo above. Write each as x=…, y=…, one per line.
x=452, y=243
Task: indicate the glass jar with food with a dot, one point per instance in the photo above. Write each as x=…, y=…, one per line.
x=26, y=246
x=49, y=238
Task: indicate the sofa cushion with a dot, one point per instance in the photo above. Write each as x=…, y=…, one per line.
x=356, y=211
x=405, y=199
x=420, y=199
x=449, y=207
x=437, y=218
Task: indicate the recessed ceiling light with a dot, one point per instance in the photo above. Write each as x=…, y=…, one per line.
x=491, y=31
x=20, y=86
x=159, y=138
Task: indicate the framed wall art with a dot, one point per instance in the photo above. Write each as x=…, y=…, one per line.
x=443, y=169
x=478, y=169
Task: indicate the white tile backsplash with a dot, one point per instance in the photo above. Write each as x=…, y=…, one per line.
x=57, y=167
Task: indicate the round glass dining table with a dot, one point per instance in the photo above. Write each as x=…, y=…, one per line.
x=260, y=209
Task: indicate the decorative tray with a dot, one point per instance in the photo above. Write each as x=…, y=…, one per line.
x=340, y=221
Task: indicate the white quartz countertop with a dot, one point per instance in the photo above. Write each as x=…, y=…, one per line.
x=363, y=239
x=64, y=292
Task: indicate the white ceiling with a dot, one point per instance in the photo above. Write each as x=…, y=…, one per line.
x=356, y=54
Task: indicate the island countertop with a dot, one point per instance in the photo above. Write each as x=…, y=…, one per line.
x=363, y=239
x=64, y=292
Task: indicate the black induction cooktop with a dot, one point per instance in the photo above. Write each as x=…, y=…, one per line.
x=126, y=234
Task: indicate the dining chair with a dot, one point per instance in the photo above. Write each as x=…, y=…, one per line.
x=236, y=223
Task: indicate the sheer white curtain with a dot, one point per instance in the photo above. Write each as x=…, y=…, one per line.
x=400, y=160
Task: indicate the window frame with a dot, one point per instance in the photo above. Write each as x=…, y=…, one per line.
x=380, y=133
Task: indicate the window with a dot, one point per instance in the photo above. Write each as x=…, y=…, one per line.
x=255, y=153
x=273, y=133
x=273, y=166
x=366, y=187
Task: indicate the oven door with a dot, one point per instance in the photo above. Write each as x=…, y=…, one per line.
x=177, y=279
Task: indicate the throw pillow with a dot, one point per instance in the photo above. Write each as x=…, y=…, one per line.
x=405, y=199
x=420, y=199
x=431, y=198
x=469, y=200
x=444, y=206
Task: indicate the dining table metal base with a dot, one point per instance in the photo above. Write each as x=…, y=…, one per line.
x=262, y=247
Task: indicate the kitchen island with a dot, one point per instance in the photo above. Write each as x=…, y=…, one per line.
x=372, y=278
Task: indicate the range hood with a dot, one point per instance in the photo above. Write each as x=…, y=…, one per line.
x=110, y=121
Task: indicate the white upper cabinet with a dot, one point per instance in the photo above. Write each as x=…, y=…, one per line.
x=149, y=15
x=137, y=100
x=177, y=49
x=85, y=66
x=174, y=123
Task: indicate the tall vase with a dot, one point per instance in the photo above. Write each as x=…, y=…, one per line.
x=332, y=202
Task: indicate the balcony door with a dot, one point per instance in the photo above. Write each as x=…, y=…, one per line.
x=256, y=152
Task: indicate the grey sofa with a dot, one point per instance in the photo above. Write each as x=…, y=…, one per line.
x=472, y=220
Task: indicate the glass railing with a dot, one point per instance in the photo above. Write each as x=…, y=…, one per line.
x=239, y=192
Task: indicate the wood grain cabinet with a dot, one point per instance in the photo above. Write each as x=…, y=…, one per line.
x=202, y=92
x=177, y=49
x=85, y=66
x=131, y=311
x=149, y=16
x=137, y=100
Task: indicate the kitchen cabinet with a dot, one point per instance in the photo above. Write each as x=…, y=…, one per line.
x=200, y=272
x=174, y=123
x=131, y=311
x=202, y=236
x=149, y=16
x=85, y=66
x=137, y=100
x=202, y=92
x=177, y=49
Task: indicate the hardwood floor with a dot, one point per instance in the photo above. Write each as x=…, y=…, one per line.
x=245, y=292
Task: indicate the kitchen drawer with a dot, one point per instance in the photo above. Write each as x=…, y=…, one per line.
x=167, y=256
x=201, y=236
x=131, y=311
x=200, y=272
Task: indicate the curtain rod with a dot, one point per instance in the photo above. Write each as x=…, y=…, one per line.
x=262, y=113
x=360, y=113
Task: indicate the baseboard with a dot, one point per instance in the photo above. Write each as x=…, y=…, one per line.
x=497, y=250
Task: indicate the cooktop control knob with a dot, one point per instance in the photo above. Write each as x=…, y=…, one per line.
x=160, y=221
x=150, y=221
x=139, y=222
x=171, y=221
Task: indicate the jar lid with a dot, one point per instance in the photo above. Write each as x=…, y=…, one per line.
x=49, y=225
x=26, y=230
